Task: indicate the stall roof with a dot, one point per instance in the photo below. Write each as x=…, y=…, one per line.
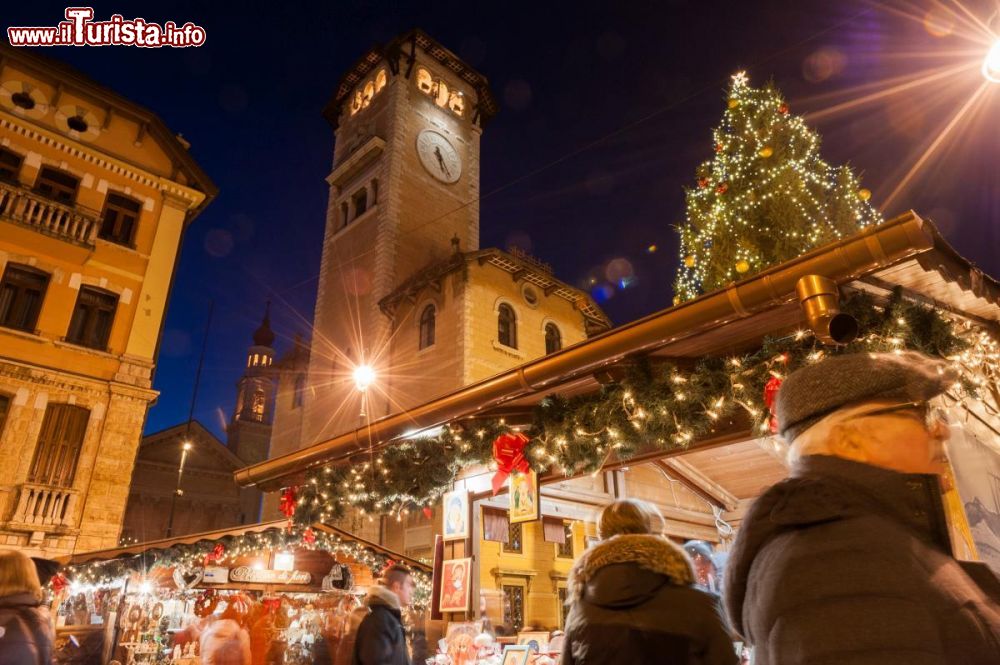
x=211, y=536
x=906, y=252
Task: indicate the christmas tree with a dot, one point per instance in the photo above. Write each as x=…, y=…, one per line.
x=765, y=197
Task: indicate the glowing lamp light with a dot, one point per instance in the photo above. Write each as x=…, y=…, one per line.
x=364, y=376
x=991, y=65
x=284, y=561
x=146, y=587
x=258, y=565
x=187, y=445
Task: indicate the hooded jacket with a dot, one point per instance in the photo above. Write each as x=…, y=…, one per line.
x=632, y=601
x=381, y=638
x=25, y=631
x=849, y=563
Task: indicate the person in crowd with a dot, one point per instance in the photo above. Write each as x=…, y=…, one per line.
x=381, y=638
x=26, y=635
x=225, y=642
x=632, y=598
x=848, y=560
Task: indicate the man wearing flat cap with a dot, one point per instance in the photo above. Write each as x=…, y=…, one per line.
x=848, y=561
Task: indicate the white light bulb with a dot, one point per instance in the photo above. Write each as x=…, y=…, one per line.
x=991, y=65
x=364, y=376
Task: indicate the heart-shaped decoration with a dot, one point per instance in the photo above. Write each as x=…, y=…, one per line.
x=188, y=579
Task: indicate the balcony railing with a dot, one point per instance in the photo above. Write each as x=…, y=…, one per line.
x=25, y=207
x=44, y=507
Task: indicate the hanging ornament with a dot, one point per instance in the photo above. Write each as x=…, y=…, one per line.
x=766, y=151
x=742, y=266
x=770, y=394
x=309, y=536
x=689, y=260
x=703, y=182
x=58, y=583
x=288, y=500
x=783, y=109
x=508, y=451
x=428, y=512
x=677, y=300
x=864, y=194
x=718, y=147
x=722, y=188
x=733, y=103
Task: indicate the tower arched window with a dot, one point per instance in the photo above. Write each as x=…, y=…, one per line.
x=506, y=326
x=427, y=326
x=553, y=338
x=257, y=405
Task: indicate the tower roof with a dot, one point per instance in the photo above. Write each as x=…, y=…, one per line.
x=264, y=336
x=401, y=51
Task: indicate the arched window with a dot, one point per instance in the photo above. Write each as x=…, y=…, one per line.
x=257, y=406
x=427, y=325
x=507, y=326
x=553, y=340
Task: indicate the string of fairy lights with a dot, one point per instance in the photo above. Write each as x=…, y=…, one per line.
x=662, y=406
x=765, y=197
x=235, y=548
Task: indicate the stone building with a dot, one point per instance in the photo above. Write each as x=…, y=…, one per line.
x=183, y=479
x=95, y=195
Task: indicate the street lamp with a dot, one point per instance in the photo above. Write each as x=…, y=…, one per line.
x=185, y=449
x=364, y=376
x=991, y=65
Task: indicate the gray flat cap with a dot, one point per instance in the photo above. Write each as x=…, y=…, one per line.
x=812, y=392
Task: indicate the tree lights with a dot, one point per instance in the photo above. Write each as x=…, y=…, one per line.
x=765, y=197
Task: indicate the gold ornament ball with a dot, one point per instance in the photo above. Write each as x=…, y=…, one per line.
x=766, y=151
x=689, y=260
x=733, y=103
x=864, y=194
x=742, y=266
x=677, y=300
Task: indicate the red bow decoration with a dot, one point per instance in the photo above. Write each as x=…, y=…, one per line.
x=771, y=394
x=508, y=451
x=58, y=582
x=288, y=500
x=271, y=604
x=216, y=554
x=428, y=512
x=309, y=536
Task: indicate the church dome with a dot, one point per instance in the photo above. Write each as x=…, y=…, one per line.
x=264, y=336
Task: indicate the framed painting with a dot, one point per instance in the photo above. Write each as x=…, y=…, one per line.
x=456, y=515
x=525, y=505
x=455, y=577
x=537, y=641
x=515, y=654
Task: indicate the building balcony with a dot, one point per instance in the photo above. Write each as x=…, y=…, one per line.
x=44, y=508
x=27, y=208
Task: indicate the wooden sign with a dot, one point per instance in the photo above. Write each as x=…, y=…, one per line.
x=252, y=575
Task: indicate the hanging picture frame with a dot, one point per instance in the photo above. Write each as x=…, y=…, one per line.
x=525, y=504
x=456, y=575
x=456, y=515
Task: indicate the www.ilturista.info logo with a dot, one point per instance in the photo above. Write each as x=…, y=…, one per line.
x=79, y=29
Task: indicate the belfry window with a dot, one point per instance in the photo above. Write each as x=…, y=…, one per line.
x=553, y=339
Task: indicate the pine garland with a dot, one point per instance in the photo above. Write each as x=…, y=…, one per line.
x=662, y=406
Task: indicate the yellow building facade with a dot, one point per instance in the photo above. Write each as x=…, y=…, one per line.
x=95, y=194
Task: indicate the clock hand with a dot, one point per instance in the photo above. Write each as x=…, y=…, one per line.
x=437, y=152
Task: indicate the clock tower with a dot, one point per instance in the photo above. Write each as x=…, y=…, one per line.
x=403, y=195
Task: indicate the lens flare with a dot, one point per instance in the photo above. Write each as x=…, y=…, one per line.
x=991, y=65
x=364, y=376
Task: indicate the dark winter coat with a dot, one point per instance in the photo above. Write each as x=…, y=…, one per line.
x=381, y=638
x=849, y=563
x=25, y=631
x=632, y=601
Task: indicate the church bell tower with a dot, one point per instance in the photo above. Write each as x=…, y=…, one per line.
x=407, y=120
x=249, y=431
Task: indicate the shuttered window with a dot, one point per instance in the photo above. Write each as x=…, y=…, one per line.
x=57, y=185
x=59, y=443
x=119, y=221
x=92, y=318
x=21, y=294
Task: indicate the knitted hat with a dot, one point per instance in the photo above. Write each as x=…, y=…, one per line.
x=812, y=392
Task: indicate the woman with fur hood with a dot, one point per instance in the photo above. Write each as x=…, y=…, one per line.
x=632, y=598
x=26, y=634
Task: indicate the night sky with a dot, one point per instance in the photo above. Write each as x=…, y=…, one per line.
x=606, y=110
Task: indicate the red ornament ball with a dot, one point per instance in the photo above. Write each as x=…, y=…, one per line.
x=783, y=109
x=718, y=147
x=722, y=188
x=703, y=182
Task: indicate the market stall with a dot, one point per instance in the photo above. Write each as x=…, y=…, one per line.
x=292, y=590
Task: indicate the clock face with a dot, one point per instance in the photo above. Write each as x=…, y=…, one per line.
x=439, y=156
